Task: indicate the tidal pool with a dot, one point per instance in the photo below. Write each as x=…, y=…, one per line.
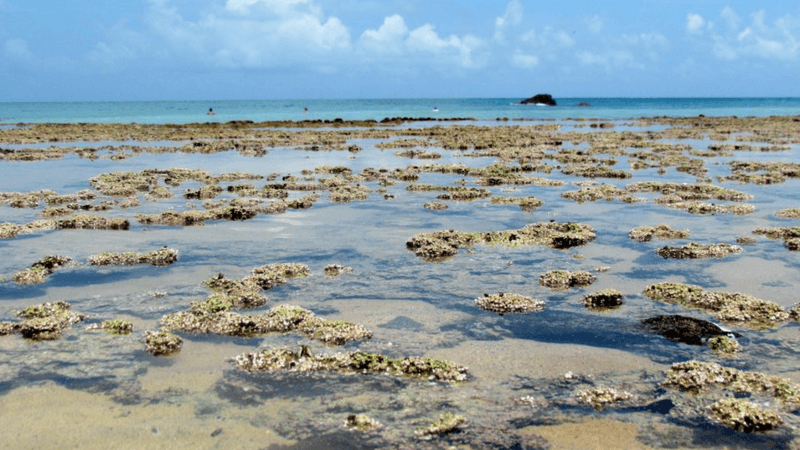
x=91, y=389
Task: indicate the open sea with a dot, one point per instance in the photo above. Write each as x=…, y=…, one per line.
x=94, y=390
x=351, y=109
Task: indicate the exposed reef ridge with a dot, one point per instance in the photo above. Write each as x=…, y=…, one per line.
x=443, y=244
x=352, y=363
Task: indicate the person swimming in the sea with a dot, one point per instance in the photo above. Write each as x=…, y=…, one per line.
x=435, y=109
x=305, y=110
x=210, y=111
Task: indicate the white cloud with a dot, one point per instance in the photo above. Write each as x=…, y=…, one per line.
x=17, y=49
x=779, y=41
x=595, y=24
x=523, y=61
x=513, y=16
x=394, y=40
x=695, y=23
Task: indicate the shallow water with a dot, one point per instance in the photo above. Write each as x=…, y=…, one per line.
x=414, y=307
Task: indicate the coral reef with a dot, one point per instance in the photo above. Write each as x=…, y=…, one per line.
x=743, y=416
x=353, y=363
x=41, y=269
x=161, y=257
x=442, y=244
x=600, y=397
x=693, y=250
x=605, y=299
x=447, y=423
x=507, y=303
x=564, y=279
x=161, y=343
x=733, y=308
x=646, y=234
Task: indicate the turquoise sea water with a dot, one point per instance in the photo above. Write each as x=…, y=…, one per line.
x=479, y=108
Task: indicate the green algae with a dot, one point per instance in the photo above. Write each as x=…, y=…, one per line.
x=41, y=269
x=733, y=308
x=564, y=279
x=161, y=257
x=350, y=363
x=442, y=244
x=508, y=303
x=646, y=234
x=693, y=250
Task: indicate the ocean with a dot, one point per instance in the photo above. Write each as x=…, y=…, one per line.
x=177, y=112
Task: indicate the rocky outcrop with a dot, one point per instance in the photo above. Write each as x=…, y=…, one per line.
x=544, y=99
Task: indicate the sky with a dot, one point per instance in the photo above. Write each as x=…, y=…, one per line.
x=68, y=50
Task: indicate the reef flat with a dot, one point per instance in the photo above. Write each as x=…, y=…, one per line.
x=402, y=283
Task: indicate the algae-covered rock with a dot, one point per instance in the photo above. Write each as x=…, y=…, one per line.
x=600, y=397
x=693, y=250
x=115, y=326
x=333, y=270
x=442, y=244
x=242, y=293
x=47, y=321
x=271, y=275
x=564, y=279
x=605, y=299
x=696, y=376
x=161, y=257
x=350, y=363
x=791, y=213
x=447, y=423
x=214, y=316
x=87, y=222
x=734, y=308
x=646, y=234
x=435, y=206
x=744, y=416
x=507, y=303
x=790, y=236
x=41, y=269
x=724, y=345
x=161, y=343
x=361, y=423
x=527, y=204
x=687, y=330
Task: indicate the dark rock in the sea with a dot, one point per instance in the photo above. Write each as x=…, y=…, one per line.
x=545, y=99
x=683, y=329
x=583, y=104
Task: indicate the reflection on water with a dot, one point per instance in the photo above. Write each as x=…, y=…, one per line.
x=196, y=400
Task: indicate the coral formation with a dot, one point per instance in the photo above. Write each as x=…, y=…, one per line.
x=600, y=397
x=161, y=257
x=564, y=279
x=41, y=269
x=744, y=416
x=734, y=308
x=646, y=234
x=693, y=250
x=605, y=299
x=507, y=303
x=354, y=363
x=160, y=343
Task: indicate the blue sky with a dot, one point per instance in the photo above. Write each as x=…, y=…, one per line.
x=275, y=49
